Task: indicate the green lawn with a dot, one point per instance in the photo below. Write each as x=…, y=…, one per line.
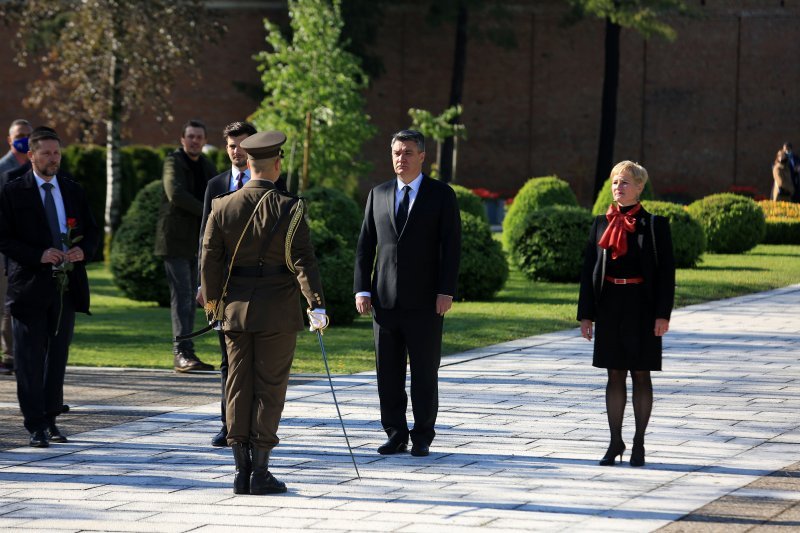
x=122, y=332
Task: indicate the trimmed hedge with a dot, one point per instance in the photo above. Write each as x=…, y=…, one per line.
x=535, y=194
x=336, y=211
x=782, y=222
x=688, y=239
x=484, y=268
x=137, y=272
x=548, y=243
x=335, y=222
x=469, y=202
x=732, y=223
x=605, y=198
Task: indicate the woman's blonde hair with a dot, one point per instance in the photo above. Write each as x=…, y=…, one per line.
x=634, y=169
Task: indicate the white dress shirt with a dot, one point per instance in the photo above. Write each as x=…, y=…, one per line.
x=235, y=176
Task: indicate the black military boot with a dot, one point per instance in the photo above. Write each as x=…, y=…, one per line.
x=261, y=481
x=244, y=466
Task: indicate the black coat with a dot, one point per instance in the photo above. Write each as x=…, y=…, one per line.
x=658, y=266
x=25, y=235
x=412, y=268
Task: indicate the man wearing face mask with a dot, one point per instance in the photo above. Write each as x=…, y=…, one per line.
x=16, y=158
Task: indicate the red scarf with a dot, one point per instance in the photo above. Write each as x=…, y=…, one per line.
x=619, y=223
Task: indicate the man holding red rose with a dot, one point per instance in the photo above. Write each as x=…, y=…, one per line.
x=47, y=232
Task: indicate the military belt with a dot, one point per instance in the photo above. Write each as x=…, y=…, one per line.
x=258, y=271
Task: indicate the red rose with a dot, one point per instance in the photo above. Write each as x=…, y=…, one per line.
x=72, y=223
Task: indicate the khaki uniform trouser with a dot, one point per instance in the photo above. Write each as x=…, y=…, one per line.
x=6, y=342
x=258, y=374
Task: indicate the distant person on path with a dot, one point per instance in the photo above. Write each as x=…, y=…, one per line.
x=406, y=271
x=231, y=180
x=45, y=224
x=186, y=174
x=782, y=186
x=17, y=158
x=793, y=161
x=257, y=260
x=627, y=289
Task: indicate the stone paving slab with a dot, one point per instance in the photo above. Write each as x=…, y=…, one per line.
x=521, y=428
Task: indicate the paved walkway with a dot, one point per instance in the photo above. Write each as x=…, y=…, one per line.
x=521, y=428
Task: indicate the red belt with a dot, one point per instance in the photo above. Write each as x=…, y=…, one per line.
x=625, y=281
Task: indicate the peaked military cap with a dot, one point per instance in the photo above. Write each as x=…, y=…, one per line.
x=263, y=145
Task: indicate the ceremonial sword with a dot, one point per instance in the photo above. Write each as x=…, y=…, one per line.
x=336, y=403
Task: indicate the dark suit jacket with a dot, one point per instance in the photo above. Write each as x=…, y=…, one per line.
x=15, y=173
x=658, y=266
x=411, y=268
x=217, y=185
x=24, y=236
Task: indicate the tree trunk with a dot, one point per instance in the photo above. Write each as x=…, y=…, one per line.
x=306, y=154
x=456, y=88
x=113, y=140
x=608, y=111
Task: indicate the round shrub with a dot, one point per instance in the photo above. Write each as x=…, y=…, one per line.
x=335, y=222
x=469, y=202
x=336, y=260
x=732, y=223
x=549, y=243
x=688, y=239
x=782, y=222
x=535, y=194
x=337, y=211
x=484, y=269
x=605, y=198
x=137, y=272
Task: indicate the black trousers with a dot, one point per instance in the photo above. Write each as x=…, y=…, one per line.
x=223, y=375
x=413, y=336
x=40, y=362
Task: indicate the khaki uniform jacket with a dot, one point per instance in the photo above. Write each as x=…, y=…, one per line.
x=270, y=303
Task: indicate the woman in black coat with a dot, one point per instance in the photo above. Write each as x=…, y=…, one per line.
x=627, y=290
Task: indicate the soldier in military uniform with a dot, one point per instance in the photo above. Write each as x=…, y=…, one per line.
x=256, y=258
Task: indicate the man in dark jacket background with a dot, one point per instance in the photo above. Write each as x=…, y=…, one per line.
x=186, y=174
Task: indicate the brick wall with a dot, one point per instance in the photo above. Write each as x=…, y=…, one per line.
x=703, y=112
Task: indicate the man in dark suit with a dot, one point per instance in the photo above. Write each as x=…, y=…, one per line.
x=47, y=232
x=412, y=225
x=231, y=180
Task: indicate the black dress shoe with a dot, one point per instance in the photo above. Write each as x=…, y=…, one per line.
x=39, y=439
x=220, y=440
x=54, y=434
x=187, y=361
x=392, y=446
x=420, y=450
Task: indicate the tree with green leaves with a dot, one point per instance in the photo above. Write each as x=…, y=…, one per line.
x=313, y=90
x=440, y=128
x=101, y=60
x=642, y=16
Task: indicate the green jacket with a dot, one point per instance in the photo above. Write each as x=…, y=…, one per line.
x=178, y=227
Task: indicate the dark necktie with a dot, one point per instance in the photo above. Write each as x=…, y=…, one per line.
x=52, y=215
x=240, y=181
x=402, y=211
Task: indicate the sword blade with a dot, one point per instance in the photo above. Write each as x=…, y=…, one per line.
x=335, y=402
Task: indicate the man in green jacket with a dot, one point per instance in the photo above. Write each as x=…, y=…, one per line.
x=186, y=173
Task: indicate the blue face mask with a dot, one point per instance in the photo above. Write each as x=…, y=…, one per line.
x=20, y=145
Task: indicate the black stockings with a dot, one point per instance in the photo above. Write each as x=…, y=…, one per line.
x=617, y=397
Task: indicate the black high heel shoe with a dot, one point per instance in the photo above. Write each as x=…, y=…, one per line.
x=637, y=453
x=613, y=451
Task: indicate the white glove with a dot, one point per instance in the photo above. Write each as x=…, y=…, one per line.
x=317, y=319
